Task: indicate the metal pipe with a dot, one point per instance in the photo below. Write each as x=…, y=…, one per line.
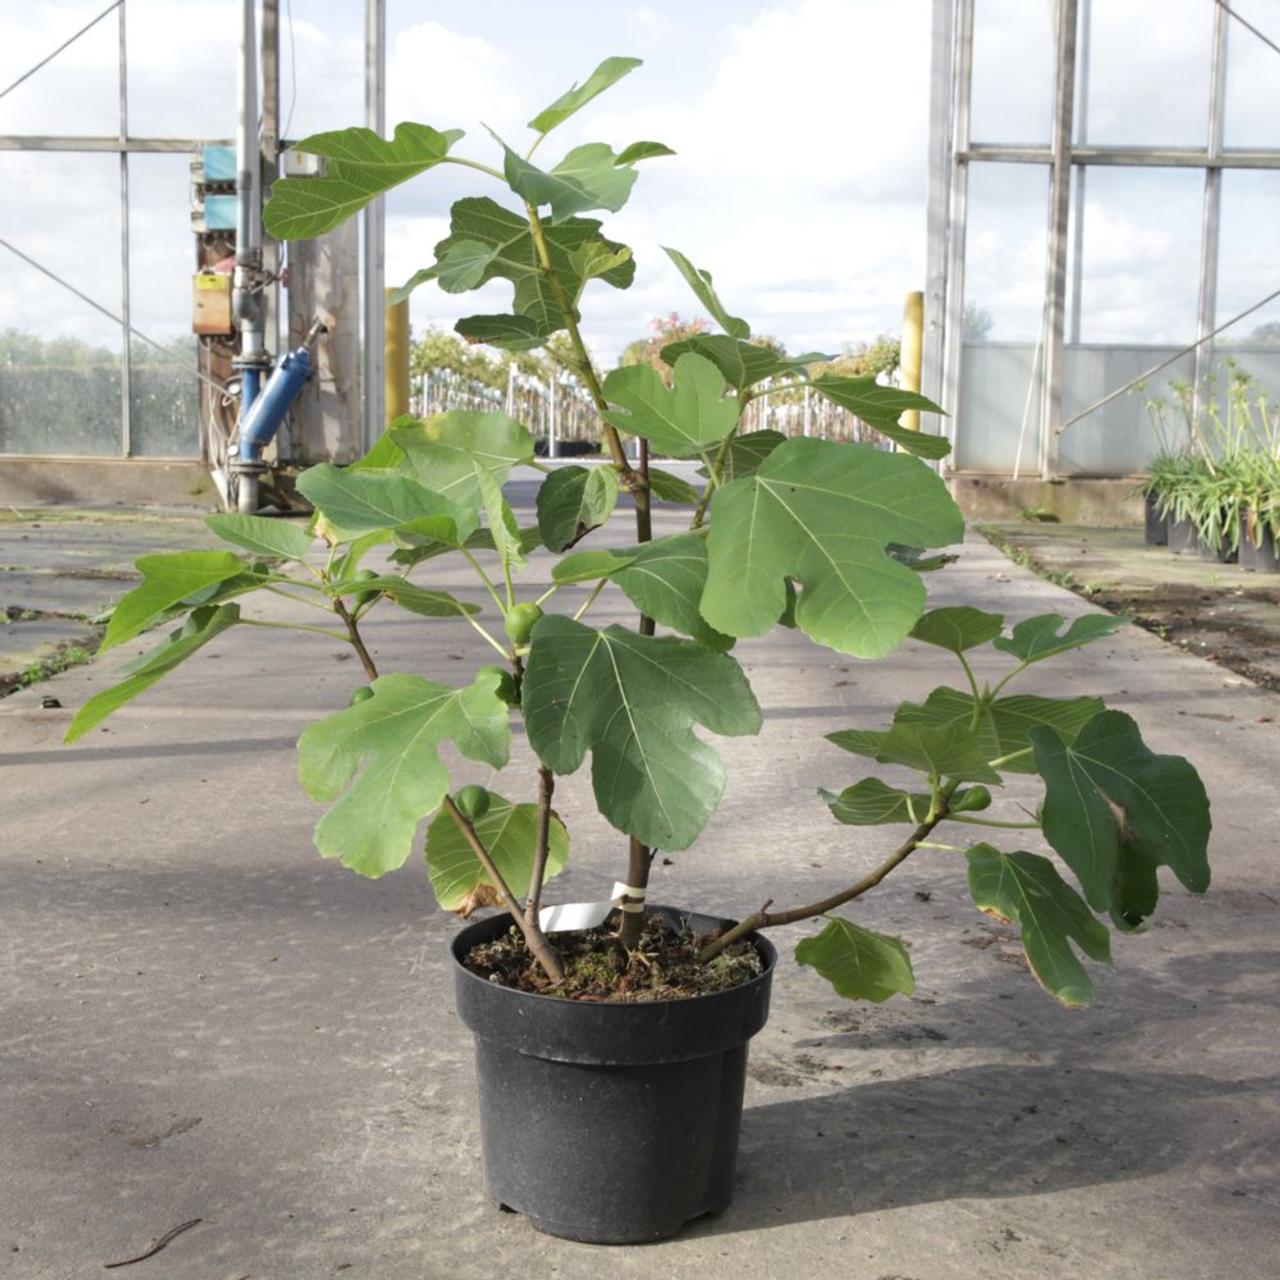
x=246, y=303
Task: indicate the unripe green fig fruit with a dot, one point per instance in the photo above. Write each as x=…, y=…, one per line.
x=520, y=621
x=972, y=800
x=506, y=689
x=362, y=694
x=472, y=802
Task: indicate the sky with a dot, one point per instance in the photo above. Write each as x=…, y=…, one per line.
x=800, y=126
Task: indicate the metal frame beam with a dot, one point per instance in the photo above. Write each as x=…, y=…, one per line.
x=113, y=142
x=1132, y=157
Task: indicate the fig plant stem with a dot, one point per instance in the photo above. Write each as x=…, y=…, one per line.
x=637, y=482
x=534, y=938
x=546, y=788
x=353, y=633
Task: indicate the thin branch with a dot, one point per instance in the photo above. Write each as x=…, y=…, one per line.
x=533, y=935
x=499, y=648
x=771, y=919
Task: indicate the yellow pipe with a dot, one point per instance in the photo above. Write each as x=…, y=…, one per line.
x=397, y=358
x=912, y=354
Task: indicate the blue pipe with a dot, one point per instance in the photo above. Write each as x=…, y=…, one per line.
x=264, y=409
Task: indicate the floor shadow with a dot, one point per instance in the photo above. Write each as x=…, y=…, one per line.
x=984, y=1132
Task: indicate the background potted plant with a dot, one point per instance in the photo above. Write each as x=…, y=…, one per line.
x=612, y=1037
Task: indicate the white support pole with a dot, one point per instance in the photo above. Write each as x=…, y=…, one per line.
x=126, y=337
x=1055, y=288
x=1207, y=304
x=808, y=412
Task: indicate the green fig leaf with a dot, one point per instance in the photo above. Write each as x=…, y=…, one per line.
x=377, y=763
x=958, y=628
x=202, y=626
x=700, y=282
x=509, y=832
x=281, y=539
x=167, y=580
x=1114, y=811
x=632, y=701
x=608, y=73
x=860, y=964
x=880, y=407
x=680, y=421
x=1026, y=889
x=361, y=165
x=822, y=513
x=871, y=803
x=1035, y=639
x=574, y=500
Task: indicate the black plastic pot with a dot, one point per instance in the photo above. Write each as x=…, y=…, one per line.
x=610, y=1123
x=1262, y=556
x=1157, y=526
x=1185, y=540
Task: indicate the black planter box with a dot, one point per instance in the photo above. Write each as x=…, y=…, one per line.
x=610, y=1123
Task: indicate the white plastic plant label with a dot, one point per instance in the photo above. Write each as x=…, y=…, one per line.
x=588, y=915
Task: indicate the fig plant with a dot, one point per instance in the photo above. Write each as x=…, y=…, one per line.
x=829, y=539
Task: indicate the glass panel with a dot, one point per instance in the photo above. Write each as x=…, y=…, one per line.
x=1249, y=256
x=1149, y=72
x=1004, y=298
x=1253, y=77
x=1118, y=439
x=1013, y=63
x=59, y=358
x=322, y=68
x=78, y=92
x=1141, y=255
x=182, y=68
x=163, y=388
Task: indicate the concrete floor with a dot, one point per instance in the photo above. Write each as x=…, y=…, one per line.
x=204, y=1020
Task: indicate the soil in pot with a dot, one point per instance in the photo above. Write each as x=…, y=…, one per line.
x=610, y=1121
x=664, y=966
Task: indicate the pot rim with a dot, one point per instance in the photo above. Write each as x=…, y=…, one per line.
x=768, y=953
